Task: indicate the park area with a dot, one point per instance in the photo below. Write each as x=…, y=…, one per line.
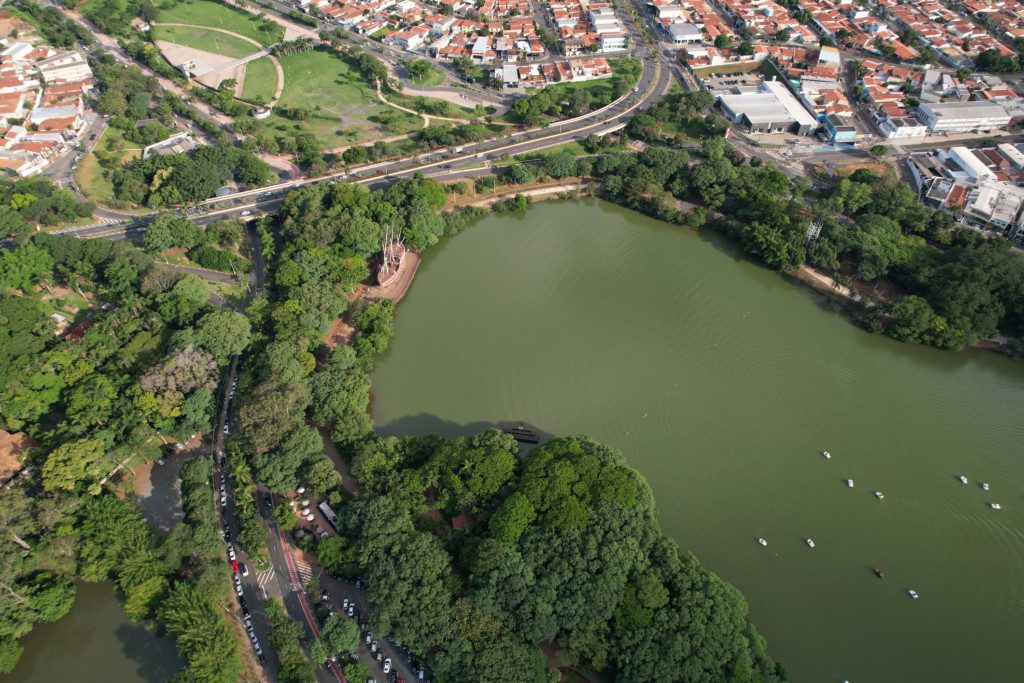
x=203, y=13
x=113, y=151
x=260, y=81
x=328, y=97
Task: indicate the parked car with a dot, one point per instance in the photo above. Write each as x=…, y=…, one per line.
x=373, y=647
x=234, y=566
x=325, y=596
x=369, y=637
x=242, y=569
x=387, y=665
x=351, y=610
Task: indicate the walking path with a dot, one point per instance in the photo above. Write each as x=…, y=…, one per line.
x=426, y=117
x=448, y=93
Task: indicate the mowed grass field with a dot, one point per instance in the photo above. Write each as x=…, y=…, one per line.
x=204, y=13
x=89, y=174
x=343, y=106
x=433, y=106
x=205, y=39
x=260, y=80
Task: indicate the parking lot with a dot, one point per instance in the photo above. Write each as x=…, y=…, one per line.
x=724, y=82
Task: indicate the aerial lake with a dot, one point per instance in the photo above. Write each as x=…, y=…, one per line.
x=95, y=643
x=722, y=383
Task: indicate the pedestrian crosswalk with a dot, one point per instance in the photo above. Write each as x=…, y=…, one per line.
x=303, y=570
x=263, y=577
x=98, y=223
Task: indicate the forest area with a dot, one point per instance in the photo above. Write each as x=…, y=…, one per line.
x=133, y=353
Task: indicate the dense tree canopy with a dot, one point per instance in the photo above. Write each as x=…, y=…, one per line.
x=562, y=546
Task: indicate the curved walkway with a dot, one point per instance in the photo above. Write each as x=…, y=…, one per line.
x=448, y=93
x=426, y=117
x=273, y=59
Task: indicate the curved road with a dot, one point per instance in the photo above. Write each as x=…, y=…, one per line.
x=654, y=83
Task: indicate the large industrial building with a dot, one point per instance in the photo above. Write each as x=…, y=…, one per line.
x=963, y=117
x=770, y=108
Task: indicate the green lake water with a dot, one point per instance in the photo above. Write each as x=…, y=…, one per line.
x=95, y=643
x=722, y=383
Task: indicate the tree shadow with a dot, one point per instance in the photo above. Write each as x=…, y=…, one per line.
x=156, y=658
x=423, y=424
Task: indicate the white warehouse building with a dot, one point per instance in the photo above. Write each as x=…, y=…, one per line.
x=963, y=117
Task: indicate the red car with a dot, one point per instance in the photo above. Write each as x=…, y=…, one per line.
x=234, y=566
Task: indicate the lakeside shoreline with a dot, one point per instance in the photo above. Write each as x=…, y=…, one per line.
x=806, y=275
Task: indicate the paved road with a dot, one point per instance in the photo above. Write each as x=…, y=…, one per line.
x=653, y=84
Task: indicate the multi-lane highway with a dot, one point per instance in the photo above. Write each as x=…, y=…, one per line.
x=446, y=165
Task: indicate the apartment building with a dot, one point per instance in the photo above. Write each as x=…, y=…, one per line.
x=64, y=68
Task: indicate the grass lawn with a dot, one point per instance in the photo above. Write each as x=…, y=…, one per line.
x=434, y=106
x=89, y=174
x=433, y=76
x=348, y=105
x=206, y=40
x=260, y=80
x=204, y=13
x=600, y=89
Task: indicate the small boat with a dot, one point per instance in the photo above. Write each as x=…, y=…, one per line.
x=996, y=506
x=810, y=543
x=849, y=482
x=963, y=480
x=984, y=486
x=828, y=456
x=762, y=541
x=879, y=573
x=879, y=495
x=912, y=593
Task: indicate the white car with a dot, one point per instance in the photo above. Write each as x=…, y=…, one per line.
x=387, y=665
